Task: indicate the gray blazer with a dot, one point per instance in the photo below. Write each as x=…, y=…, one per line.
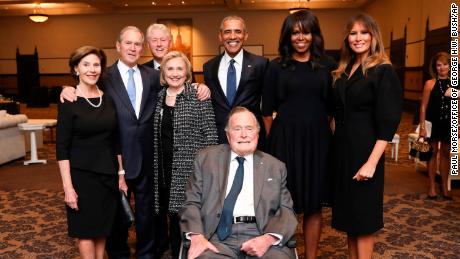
x=205, y=194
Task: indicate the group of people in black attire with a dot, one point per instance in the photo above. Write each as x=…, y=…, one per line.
x=329, y=123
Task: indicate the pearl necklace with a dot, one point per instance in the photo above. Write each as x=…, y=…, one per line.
x=172, y=95
x=90, y=103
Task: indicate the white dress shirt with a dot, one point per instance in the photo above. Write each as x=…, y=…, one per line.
x=156, y=65
x=223, y=69
x=123, y=68
x=244, y=205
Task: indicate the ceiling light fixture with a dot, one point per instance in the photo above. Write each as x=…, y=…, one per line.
x=38, y=16
x=293, y=10
x=300, y=6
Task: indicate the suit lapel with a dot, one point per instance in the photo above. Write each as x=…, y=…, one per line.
x=119, y=88
x=259, y=177
x=224, y=163
x=145, y=88
x=215, y=78
x=246, y=70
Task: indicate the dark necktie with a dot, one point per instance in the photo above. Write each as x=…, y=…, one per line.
x=224, y=229
x=231, y=82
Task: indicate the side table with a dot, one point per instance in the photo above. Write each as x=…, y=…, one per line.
x=32, y=128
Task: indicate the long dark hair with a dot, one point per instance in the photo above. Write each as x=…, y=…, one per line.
x=308, y=24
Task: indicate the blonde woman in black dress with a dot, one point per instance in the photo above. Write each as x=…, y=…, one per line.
x=368, y=106
x=88, y=154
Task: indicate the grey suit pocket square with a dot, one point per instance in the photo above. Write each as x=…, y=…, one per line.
x=269, y=179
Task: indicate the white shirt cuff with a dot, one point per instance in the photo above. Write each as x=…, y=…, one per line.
x=279, y=238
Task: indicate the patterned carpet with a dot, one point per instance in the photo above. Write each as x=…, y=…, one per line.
x=33, y=225
x=33, y=222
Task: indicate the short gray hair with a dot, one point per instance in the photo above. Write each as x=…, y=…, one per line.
x=240, y=109
x=129, y=28
x=232, y=17
x=158, y=26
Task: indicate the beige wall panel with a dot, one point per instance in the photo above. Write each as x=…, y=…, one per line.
x=8, y=66
x=414, y=54
x=60, y=35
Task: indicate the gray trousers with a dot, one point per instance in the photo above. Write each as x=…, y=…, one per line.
x=231, y=247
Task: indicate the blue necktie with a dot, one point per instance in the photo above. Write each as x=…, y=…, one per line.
x=224, y=229
x=132, y=88
x=231, y=82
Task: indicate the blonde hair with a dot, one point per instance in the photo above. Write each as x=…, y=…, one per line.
x=168, y=57
x=377, y=55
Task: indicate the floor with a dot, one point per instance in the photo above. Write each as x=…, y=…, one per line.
x=415, y=227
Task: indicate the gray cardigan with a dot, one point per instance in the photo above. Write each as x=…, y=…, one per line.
x=194, y=128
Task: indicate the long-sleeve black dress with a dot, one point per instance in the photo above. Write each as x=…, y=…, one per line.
x=88, y=137
x=368, y=108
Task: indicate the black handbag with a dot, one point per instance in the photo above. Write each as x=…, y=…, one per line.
x=126, y=210
x=421, y=149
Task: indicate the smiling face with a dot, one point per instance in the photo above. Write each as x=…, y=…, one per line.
x=130, y=47
x=88, y=70
x=175, y=72
x=442, y=68
x=243, y=133
x=232, y=35
x=359, y=40
x=300, y=41
x=159, y=42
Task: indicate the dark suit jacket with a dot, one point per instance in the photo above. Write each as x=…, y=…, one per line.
x=150, y=64
x=205, y=194
x=248, y=93
x=136, y=135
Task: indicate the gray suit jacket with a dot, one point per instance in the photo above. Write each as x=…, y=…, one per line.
x=205, y=194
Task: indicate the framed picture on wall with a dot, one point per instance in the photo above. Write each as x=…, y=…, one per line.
x=181, y=30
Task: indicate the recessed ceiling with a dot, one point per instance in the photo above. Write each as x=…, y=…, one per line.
x=57, y=7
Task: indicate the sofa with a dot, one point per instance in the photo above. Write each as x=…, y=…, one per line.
x=11, y=139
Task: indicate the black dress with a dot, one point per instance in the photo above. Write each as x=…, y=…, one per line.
x=88, y=137
x=438, y=111
x=300, y=134
x=368, y=108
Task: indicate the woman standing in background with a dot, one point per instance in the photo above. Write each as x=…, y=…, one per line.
x=435, y=107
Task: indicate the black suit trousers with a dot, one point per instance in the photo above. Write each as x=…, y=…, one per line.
x=142, y=189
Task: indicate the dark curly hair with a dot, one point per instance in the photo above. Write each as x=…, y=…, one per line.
x=308, y=23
